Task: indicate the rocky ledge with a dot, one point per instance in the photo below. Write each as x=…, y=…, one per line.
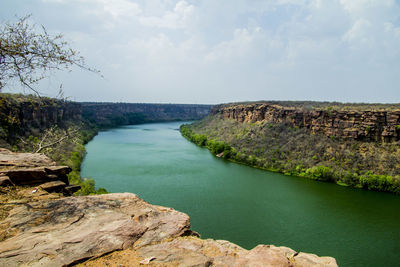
x=34, y=169
x=38, y=228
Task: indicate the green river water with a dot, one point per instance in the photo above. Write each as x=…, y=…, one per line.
x=245, y=205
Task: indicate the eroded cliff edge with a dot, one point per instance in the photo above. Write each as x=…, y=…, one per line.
x=356, y=122
x=349, y=144
x=47, y=229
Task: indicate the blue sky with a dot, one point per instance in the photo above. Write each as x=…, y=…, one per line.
x=213, y=51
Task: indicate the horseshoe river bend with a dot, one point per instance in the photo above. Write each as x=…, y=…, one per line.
x=245, y=205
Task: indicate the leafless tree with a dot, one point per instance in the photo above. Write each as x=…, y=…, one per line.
x=29, y=53
x=51, y=137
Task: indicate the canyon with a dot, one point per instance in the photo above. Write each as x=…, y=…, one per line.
x=146, y=233
x=21, y=116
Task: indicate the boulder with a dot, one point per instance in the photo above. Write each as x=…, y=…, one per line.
x=70, y=189
x=5, y=181
x=58, y=170
x=55, y=186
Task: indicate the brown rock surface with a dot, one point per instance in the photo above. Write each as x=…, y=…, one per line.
x=56, y=186
x=63, y=231
x=10, y=160
x=5, y=181
x=30, y=168
x=58, y=232
x=362, y=125
x=193, y=251
x=72, y=188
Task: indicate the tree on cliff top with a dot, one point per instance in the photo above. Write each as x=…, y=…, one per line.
x=28, y=54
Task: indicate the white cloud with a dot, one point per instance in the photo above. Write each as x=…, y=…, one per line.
x=218, y=51
x=359, y=32
x=177, y=18
x=121, y=8
x=363, y=7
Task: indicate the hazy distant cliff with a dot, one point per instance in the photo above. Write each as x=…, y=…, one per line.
x=112, y=114
x=364, y=124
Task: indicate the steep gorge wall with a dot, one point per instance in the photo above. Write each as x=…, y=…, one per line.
x=29, y=115
x=112, y=114
x=21, y=115
x=363, y=125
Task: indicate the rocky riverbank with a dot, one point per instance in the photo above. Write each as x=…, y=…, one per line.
x=349, y=144
x=45, y=228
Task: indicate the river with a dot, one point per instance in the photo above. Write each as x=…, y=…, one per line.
x=245, y=205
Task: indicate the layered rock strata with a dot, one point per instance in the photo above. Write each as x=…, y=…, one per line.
x=363, y=125
x=34, y=169
x=26, y=115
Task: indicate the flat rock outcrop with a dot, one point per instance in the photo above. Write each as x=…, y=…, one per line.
x=193, y=251
x=68, y=230
x=363, y=125
x=15, y=160
x=33, y=169
x=80, y=230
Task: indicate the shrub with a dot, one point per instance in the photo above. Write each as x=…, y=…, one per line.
x=377, y=182
x=322, y=173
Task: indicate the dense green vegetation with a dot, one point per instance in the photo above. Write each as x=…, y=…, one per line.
x=294, y=151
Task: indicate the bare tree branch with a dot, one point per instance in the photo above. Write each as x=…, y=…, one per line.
x=28, y=54
x=59, y=140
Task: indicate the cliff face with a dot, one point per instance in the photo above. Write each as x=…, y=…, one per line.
x=363, y=125
x=19, y=115
x=112, y=114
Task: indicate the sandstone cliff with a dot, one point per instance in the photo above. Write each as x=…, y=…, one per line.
x=363, y=123
x=43, y=229
x=24, y=115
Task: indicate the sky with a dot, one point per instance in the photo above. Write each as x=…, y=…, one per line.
x=219, y=51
